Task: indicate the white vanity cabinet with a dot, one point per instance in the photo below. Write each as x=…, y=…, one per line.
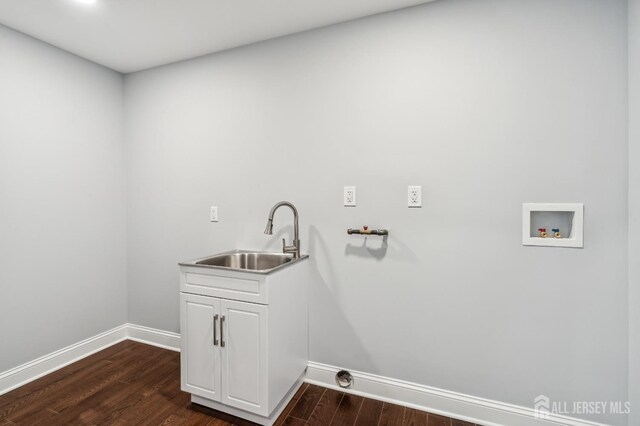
x=225, y=349
x=244, y=338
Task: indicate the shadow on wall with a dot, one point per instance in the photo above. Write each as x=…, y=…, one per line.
x=326, y=313
x=376, y=249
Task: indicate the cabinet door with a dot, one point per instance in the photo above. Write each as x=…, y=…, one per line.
x=200, y=354
x=244, y=356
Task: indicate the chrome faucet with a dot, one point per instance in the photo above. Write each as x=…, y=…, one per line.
x=295, y=247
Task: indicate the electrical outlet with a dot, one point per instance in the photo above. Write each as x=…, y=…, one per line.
x=349, y=196
x=414, y=196
x=214, y=213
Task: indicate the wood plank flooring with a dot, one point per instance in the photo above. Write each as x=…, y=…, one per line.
x=136, y=384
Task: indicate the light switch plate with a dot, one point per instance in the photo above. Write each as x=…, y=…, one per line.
x=214, y=213
x=349, y=196
x=414, y=196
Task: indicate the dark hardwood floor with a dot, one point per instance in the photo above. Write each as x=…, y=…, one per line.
x=136, y=384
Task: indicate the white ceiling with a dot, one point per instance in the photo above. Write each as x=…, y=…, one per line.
x=131, y=35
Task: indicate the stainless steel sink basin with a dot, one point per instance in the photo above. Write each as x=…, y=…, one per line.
x=242, y=260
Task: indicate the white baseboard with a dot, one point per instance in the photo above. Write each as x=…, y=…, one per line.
x=46, y=364
x=49, y=363
x=451, y=404
x=153, y=336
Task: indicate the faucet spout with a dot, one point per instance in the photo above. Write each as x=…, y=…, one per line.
x=295, y=246
x=269, y=229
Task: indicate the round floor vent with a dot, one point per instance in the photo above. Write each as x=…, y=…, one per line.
x=344, y=379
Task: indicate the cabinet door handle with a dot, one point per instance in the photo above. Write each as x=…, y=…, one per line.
x=222, y=331
x=215, y=334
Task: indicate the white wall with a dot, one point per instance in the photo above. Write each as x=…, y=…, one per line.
x=634, y=210
x=62, y=199
x=486, y=104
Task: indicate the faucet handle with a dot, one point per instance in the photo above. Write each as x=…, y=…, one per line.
x=284, y=246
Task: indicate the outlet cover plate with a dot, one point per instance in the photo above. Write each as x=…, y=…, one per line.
x=414, y=196
x=349, y=196
x=214, y=213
